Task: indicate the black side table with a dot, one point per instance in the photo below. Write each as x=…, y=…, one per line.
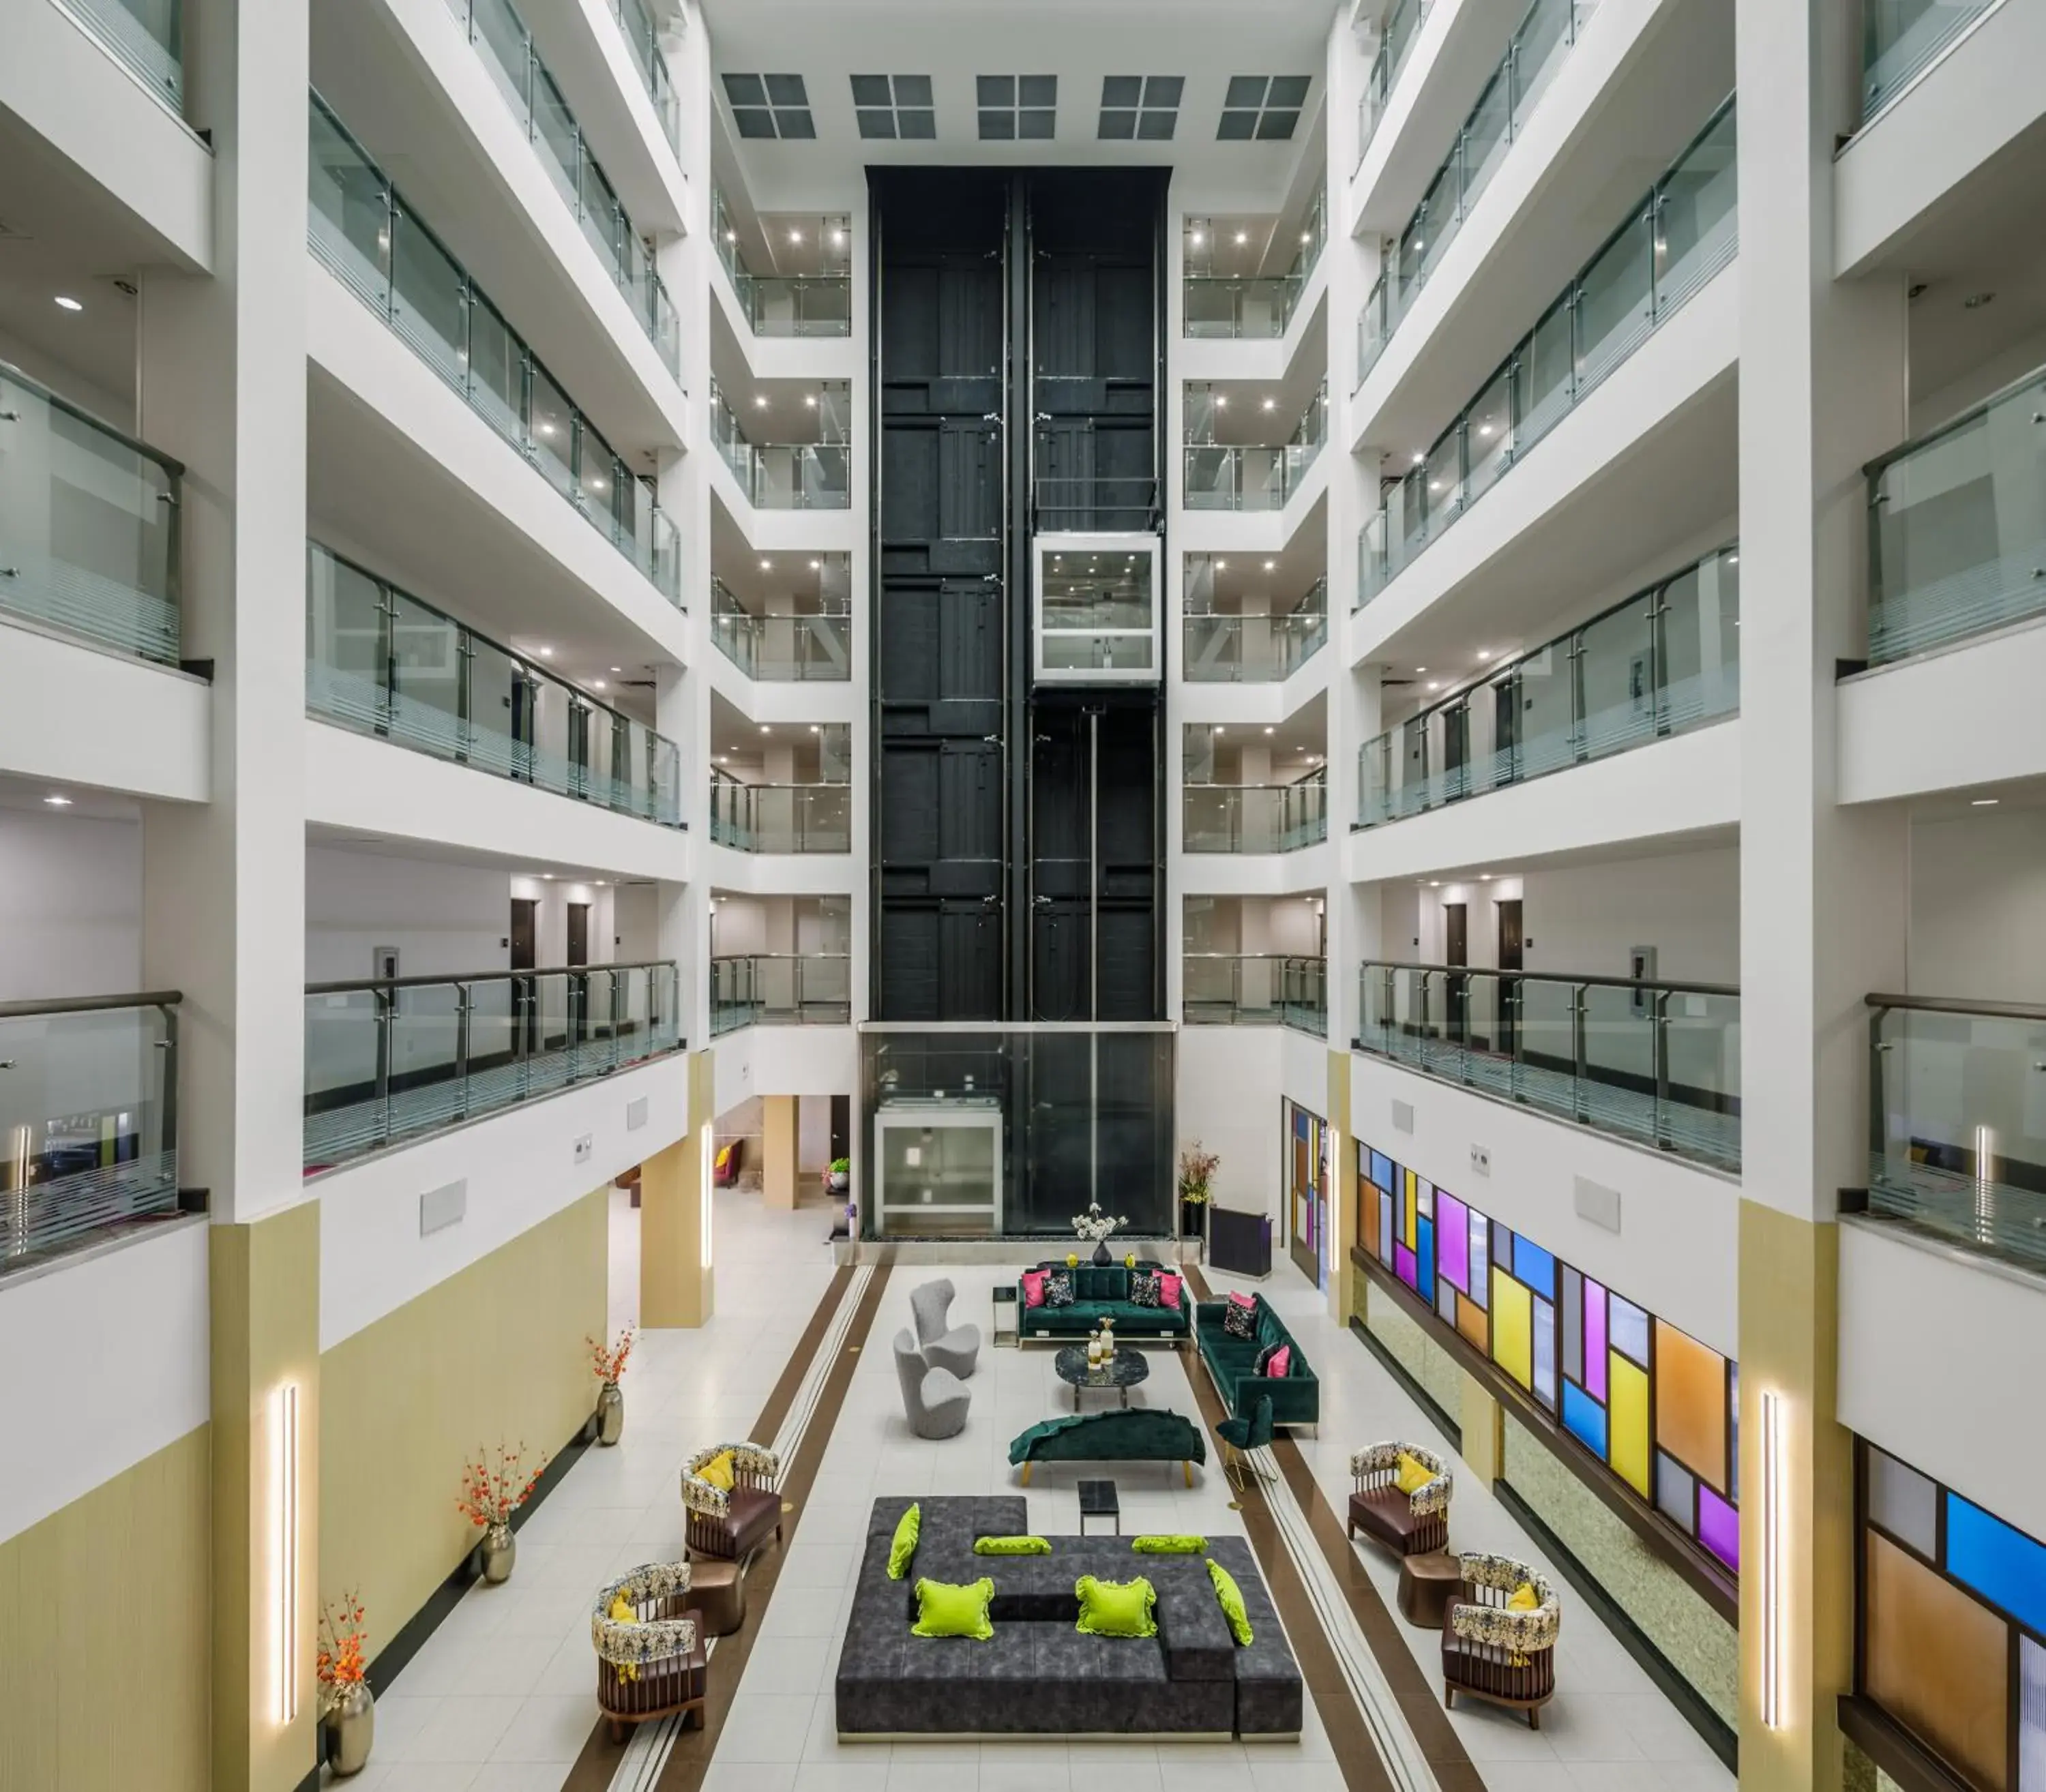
x=1007, y=1329
x=1098, y=1500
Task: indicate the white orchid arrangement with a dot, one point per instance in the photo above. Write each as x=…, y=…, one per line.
x=1096, y=1227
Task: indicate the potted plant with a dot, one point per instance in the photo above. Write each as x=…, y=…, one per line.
x=837, y=1179
x=348, y=1713
x=1097, y=1227
x=608, y=1361
x=491, y=1492
x=1197, y=1168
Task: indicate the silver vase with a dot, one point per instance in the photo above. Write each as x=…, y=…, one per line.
x=500, y=1550
x=610, y=1414
x=350, y=1725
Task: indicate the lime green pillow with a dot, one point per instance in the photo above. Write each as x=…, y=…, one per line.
x=1115, y=1608
x=903, y=1550
x=1169, y=1546
x=1229, y=1596
x=1011, y=1546
x=954, y=1611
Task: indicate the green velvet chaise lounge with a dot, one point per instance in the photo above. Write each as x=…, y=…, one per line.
x=1134, y=1434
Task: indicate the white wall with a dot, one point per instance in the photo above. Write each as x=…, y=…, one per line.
x=1230, y=1081
x=551, y=929
x=71, y=905
x=441, y=918
x=132, y=1327
x=1977, y=904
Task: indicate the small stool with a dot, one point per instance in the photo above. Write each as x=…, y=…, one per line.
x=1427, y=1585
x=718, y=1590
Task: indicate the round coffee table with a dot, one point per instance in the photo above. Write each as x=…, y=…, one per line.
x=1122, y=1372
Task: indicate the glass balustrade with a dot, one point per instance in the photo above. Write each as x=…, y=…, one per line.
x=387, y=1062
x=1261, y=818
x=1901, y=38
x=814, y=475
x=642, y=38
x=88, y=1120
x=499, y=36
x=1254, y=649
x=1666, y=660
x=780, y=989
x=1957, y=1127
x=363, y=231
x=1546, y=34
x=1957, y=527
x=88, y=525
x=819, y=304
x=780, y=818
x=381, y=662
x=1247, y=476
x=782, y=646
x=1395, y=38
x=1234, y=307
x=148, y=35
x=1680, y=235
x=1655, y=1063
x=1254, y=989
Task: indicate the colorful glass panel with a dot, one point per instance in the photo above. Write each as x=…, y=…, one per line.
x=1411, y=1214
x=1424, y=1255
x=1627, y=1410
x=1453, y=1241
x=1480, y=1286
x=1629, y=1329
x=1691, y=1403
x=1381, y=1169
x=1595, y=1339
x=2031, y=1715
x=1999, y=1561
x=1545, y=1354
x=1534, y=1266
x=1424, y=1198
x=1584, y=1419
x=1475, y=1323
x=1385, y=1229
x=1367, y=1211
x=1446, y=1301
x=1676, y=1493
x=1512, y=1327
x=1405, y=1266
x=1718, y=1528
x=1572, y=1311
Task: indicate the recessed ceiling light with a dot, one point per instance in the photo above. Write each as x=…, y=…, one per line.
x=731, y=235
x=1980, y=803
x=1222, y=404
x=1271, y=404
x=759, y=401
x=546, y=876
x=618, y=668
x=1733, y=559
x=1243, y=236
x=765, y=729
x=1484, y=877
x=766, y=566
x=66, y=302
x=1221, y=729
x=1270, y=565
x=1222, y=566
x=795, y=235
x=724, y=756
x=1271, y=731
x=838, y=235
x=598, y=684
x=1434, y=683
x=57, y=802
x=1197, y=239
x=547, y=653
x=1419, y=459
x=1434, y=883
x=811, y=400
x=815, y=565
x=1420, y=668
x=1484, y=653
x=1306, y=236
x=817, y=728
x=601, y=883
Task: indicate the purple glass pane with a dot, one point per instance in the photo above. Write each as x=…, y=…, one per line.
x=1719, y=1526
x=1406, y=1267
x=1453, y=1241
x=1594, y=1340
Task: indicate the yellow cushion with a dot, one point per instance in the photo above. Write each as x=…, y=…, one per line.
x=717, y=1471
x=1523, y=1599
x=622, y=1611
x=1412, y=1475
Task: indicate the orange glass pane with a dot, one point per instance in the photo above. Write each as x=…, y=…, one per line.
x=1691, y=1404
x=1937, y=1661
x=1474, y=1323
x=1367, y=1214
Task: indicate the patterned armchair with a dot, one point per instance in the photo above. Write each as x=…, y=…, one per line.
x=653, y=1664
x=1406, y=1524
x=1492, y=1653
x=732, y=1525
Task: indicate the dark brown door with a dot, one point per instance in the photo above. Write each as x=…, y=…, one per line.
x=525, y=927
x=1456, y=951
x=1509, y=987
x=578, y=933
x=525, y=1008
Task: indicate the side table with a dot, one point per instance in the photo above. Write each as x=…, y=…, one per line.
x=1007, y=1328
x=1427, y=1585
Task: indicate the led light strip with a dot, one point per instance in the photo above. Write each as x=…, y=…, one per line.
x=285, y=1546
x=1772, y=1559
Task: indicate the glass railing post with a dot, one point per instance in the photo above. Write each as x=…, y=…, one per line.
x=1659, y=1020
x=1581, y=1050
x=464, y=1001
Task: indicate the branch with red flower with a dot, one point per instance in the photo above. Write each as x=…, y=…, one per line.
x=609, y=1360
x=341, y=1663
x=495, y=1485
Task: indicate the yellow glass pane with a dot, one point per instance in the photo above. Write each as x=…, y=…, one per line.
x=1408, y=1235
x=1690, y=1404
x=1626, y=1412
x=1513, y=1329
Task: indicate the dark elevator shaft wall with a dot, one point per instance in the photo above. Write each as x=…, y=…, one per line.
x=980, y=912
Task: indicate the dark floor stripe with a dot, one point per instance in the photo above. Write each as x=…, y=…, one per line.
x=1419, y=1702
x=597, y=1764
x=693, y=1748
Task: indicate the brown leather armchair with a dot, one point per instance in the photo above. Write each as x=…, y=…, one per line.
x=731, y=1526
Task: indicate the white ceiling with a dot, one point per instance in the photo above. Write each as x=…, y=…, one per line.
x=1205, y=41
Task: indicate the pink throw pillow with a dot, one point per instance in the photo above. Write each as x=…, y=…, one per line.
x=1168, y=1290
x=1282, y=1360
x=1242, y=1299
x=1033, y=1287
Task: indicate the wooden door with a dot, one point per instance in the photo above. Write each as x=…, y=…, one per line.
x=1509, y=960
x=1456, y=952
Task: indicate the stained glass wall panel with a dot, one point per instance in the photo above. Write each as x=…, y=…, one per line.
x=1691, y=1403
x=1585, y=1419
x=1595, y=1339
x=1627, y=1408
x=2000, y=1562
x=1453, y=1241
x=1513, y=1327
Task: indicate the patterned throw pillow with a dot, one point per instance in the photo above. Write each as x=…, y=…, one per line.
x=1239, y=1322
x=1058, y=1289
x=1262, y=1365
x=1143, y=1288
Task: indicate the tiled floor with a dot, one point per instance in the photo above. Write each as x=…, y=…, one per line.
x=501, y=1699
x=503, y=1696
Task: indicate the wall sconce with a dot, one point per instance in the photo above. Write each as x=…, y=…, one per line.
x=285, y=1547
x=1773, y=1614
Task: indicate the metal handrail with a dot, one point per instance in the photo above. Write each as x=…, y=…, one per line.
x=1560, y=977
x=174, y=467
x=358, y=985
x=1941, y=1004
x=88, y=1004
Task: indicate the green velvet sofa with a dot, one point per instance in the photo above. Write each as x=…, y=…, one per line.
x=1295, y=1396
x=1102, y=1292
x=1134, y=1434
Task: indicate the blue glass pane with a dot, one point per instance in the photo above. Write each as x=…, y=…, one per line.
x=1381, y=1169
x=1425, y=1286
x=2005, y=1567
x=1584, y=1419
x=1536, y=1267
